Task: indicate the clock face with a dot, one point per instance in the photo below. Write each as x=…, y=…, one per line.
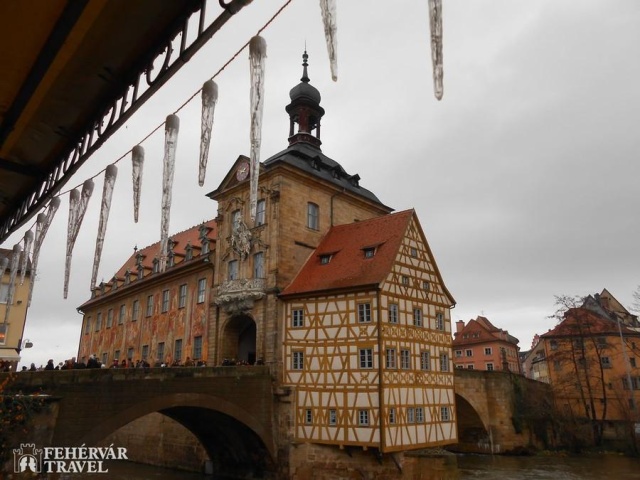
x=243, y=171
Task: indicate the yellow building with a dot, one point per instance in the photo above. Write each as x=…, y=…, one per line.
x=593, y=362
x=12, y=325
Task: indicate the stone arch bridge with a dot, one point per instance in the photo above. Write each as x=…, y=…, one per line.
x=231, y=410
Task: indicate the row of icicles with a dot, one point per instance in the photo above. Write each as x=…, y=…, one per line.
x=79, y=200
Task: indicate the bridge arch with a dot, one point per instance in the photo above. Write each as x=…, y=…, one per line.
x=472, y=429
x=232, y=436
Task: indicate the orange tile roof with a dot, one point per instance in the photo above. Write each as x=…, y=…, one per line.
x=181, y=240
x=348, y=266
x=586, y=322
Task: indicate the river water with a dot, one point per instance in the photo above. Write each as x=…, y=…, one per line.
x=454, y=467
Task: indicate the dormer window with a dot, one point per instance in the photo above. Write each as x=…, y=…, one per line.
x=127, y=277
x=140, y=271
x=188, y=252
x=156, y=265
x=171, y=261
x=325, y=259
x=369, y=252
x=205, y=247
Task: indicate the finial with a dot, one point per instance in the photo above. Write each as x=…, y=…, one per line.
x=305, y=76
x=135, y=249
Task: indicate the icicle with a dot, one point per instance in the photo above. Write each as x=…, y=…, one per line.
x=77, y=208
x=257, y=54
x=107, y=194
x=42, y=225
x=4, y=263
x=171, y=127
x=15, y=262
x=209, y=99
x=330, y=21
x=435, y=22
x=137, y=159
x=28, y=241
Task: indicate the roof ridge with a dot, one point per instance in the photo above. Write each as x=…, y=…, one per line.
x=176, y=233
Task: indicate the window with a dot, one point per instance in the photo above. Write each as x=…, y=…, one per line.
x=444, y=362
x=553, y=345
x=419, y=415
x=417, y=317
x=363, y=418
x=197, y=347
x=202, y=288
x=258, y=265
x=161, y=352
x=632, y=362
x=121, y=314
x=405, y=359
x=135, y=310
x=392, y=415
x=297, y=319
x=414, y=252
x=364, y=312
x=393, y=313
x=235, y=220
x=4, y=292
x=297, y=360
x=130, y=353
x=105, y=358
x=313, y=216
x=333, y=417
x=445, y=415
x=366, y=358
x=182, y=296
x=149, y=311
x=145, y=352
x=325, y=259
x=308, y=416
x=260, y=212
x=606, y=362
x=110, y=318
x=458, y=353
x=425, y=361
x=468, y=352
x=425, y=286
x=116, y=355
x=177, y=351
x=369, y=252
x=391, y=358
x=439, y=321
x=487, y=351
x=87, y=325
x=3, y=333
x=460, y=367
x=98, y=321
x=411, y=415
x=405, y=280
x=490, y=367
x=165, y=301
x=469, y=367
x=232, y=270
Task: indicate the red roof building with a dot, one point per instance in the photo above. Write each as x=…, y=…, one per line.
x=480, y=345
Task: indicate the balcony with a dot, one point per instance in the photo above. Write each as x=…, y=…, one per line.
x=238, y=296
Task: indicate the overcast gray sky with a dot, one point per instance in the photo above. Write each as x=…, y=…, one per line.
x=524, y=177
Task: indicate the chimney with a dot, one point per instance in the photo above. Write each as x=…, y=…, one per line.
x=459, y=326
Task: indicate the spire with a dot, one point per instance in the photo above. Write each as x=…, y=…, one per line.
x=305, y=75
x=305, y=110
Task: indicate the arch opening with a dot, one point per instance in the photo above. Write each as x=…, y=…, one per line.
x=238, y=344
x=472, y=434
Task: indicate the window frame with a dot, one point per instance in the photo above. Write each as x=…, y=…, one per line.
x=425, y=360
x=202, y=290
x=135, y=310
x=122, y=312
x=393, y=313
x=182, y=296
x=258, y=265
x=440, y=321
x=149, y=307
x=417, y=317
x=405, y=359
x=297, y=360
x=444, y=362
x=177, y=350
x=363, y=417
x=332, y=417
x=297, y=318
x=197, y=347
x=110, y=318
x=313, y=216
x=166, y=300
x=261, y=212
x=364, y=312
x=390, y=359
x=233, y=269
x=365, y=358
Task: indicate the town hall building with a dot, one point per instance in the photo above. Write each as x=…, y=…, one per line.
x=340, y=297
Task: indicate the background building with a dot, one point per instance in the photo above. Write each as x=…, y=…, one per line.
x=12, y=324
x=479, y=345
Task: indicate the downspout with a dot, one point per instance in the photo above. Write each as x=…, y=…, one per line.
x=381, y=415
